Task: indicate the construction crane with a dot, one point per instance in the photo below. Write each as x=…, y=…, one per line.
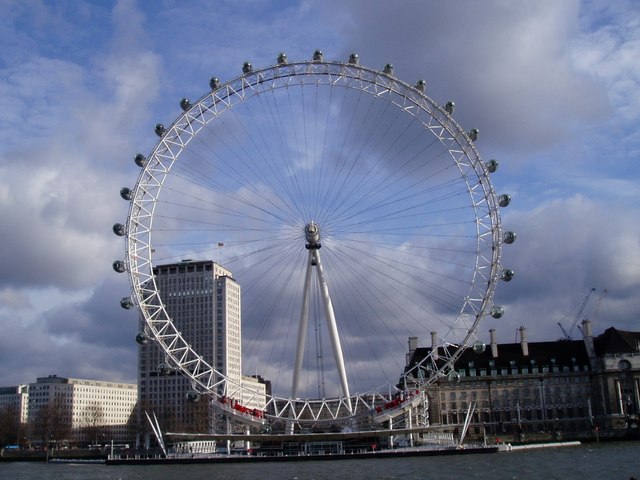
x=567, y=334
x=596, y=309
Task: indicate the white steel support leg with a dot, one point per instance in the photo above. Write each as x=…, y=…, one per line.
x=333, y=328
x=302, y=335
x=302, y=330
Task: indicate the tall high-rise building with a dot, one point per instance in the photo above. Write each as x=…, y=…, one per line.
x=203, y=300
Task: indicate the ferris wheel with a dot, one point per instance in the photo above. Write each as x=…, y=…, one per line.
x=353, y=211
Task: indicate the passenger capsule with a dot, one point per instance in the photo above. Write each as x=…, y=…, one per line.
x=246, y=67
x=354, y=59
x=126, y=303
x=214, y=83
x=140, y=160
x=317, y=56
x=479, y=347
x=125, y=193
x=421, y=85
x=193, y=396
x=119, y=266
x=492, y=166
x=497, y=311
x=119, y=229
x=142, y=338
x=160, y=130
x=504, y=200
x=282, y=58
x=185, y=104
x=454, y=377
x=163, y=369
x=507, y=275
x=449, y=107
x=473, y=134
x=388, y=69
x=509, y=237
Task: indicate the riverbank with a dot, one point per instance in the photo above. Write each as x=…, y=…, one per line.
x=52, y=455
x=370, y=455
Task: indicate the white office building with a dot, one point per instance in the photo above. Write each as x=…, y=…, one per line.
x=83, y=410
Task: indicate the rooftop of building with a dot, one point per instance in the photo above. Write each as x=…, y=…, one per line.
x=81, y=381
x=560, y=352
x=614, y=341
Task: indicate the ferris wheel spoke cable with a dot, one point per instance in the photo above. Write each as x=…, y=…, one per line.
x=271, y=160
x=380, y=327
x=346, y=172
x=187, y=173
x=383, y=157
x=391, y=260
x=382, y=275
x=331, y=164
x=408, y=211
x=243, y=158
x=373, y=192
x=259, y=297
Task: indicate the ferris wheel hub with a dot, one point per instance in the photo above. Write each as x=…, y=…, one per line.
x=312, y=235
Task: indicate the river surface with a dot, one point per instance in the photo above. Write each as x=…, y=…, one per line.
x=608, y=461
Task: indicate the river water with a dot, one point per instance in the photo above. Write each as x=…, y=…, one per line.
x=607, y=461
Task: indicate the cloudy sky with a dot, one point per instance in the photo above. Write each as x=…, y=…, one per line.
x=552, y=85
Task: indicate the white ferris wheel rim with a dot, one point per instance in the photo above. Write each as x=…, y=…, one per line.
x=252, y=83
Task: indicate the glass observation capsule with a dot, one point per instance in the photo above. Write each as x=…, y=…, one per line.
x=509, y=237
x=193, y=396
x=163, y=369
x=119, y=229
x=449, y=107
x=492, y=166
x=497, y=311
x=119, y=266
x=142, y=338
x=140, y=160
x=479, y=347
x=507, y=274
x=504, y=200
x=126, y=303
x=125, y=193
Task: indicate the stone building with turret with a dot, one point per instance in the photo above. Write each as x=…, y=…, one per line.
x=527, y=390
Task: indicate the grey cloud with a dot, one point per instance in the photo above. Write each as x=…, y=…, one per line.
x=504, y=64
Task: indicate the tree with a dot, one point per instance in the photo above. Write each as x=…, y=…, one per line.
x=199, y=415
x=52, y=422
x=9, y=425
x=93, y=422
